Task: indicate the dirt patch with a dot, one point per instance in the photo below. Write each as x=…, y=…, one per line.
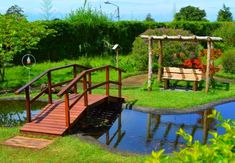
x=135, y=81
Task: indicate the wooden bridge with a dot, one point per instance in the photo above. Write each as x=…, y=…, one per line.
x=59, y=116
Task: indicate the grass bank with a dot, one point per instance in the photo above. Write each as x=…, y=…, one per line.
x=171, y=98
x=64, y=149
x=163, y=98
x=17, y=76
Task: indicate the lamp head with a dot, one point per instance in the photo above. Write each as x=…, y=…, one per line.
x=107, y=2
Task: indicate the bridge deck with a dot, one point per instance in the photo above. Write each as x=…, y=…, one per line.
x=51, y=120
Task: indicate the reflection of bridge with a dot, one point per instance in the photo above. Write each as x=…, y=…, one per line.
x=59, y=116
x=99, y=121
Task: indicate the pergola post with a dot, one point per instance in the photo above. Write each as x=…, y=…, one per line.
x=208, y=65
x=150, y=62
x=160, y=57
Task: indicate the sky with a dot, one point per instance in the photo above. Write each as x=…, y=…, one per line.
x=161, y=10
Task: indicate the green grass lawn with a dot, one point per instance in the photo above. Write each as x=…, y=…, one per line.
x=17, y=76
x=171, y=98
x=64, y=149
x=163, y=98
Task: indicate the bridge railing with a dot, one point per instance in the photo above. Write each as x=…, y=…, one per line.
x=48, y=88
x=85, y=78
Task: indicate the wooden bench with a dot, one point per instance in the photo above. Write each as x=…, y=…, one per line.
x=182, y=74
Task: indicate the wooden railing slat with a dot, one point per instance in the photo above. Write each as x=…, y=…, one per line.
x=39, y=95
x=71, y=84
x=61, y=83
x=44, y=73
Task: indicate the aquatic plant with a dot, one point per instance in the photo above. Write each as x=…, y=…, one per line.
x=221, y=149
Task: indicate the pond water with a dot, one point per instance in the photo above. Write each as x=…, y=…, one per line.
x=129, y=130
x=12, y=113
x=139, y=132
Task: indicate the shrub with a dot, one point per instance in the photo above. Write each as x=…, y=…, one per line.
x=228, y=61
x=227, y=32
x=221, y=149
x=88, y=16
x=84, y=32
x=140, y=48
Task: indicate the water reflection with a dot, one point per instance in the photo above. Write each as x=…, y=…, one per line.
x=12, y=113
x=203, y=124
x=140, y=132
x=99, y=121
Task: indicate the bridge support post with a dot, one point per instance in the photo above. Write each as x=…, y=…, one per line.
x=89, y=83
x=75, y=71
x=67, y=114
x=28, y=106
x=107, y=80
x=85, y=90
x=49, y=87
x=119, y=84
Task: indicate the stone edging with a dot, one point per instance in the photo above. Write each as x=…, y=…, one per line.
x=180, y=111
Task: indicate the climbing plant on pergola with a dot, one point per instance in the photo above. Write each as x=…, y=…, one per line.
x=160, y=39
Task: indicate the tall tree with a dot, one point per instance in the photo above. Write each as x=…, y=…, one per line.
x=15, y=9
x=224, y=14
x=149, y=18
x=18, y=35
x=190, y=13
x=47, y=7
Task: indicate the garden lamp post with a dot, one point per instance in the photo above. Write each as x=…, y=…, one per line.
x=28, y=61
x=116, y=48
x=118, y=11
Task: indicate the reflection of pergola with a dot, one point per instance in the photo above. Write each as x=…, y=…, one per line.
x=160, y=40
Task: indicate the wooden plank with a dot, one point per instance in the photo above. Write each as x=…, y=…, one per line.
x=188, y=77
x=28, y=104
x=150, y=62
x=182, y=70
x=208, y=66
x=160, y=59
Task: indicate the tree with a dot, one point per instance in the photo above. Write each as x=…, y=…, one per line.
x=190, y=13
x=224, y=14
x=18, y=35
x=149, y=18
x=47, y=9
x=15, y=9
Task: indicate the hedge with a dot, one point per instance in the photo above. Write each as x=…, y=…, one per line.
x=74, y=39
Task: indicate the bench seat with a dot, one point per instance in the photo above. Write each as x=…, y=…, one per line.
x=182, y=74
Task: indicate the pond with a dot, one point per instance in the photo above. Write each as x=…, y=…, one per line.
x=139, y=132
x=129, y=130
x=12, y=112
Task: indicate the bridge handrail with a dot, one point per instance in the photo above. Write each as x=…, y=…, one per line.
x=18, y=91
x=83, y=75
x=49, y=87
x=76, y=79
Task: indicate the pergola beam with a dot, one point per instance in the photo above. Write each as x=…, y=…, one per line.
x=182, y=38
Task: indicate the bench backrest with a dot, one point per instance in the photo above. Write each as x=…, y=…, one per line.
x=188, y=74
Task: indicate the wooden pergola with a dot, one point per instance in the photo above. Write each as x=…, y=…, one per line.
x=160, y=40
